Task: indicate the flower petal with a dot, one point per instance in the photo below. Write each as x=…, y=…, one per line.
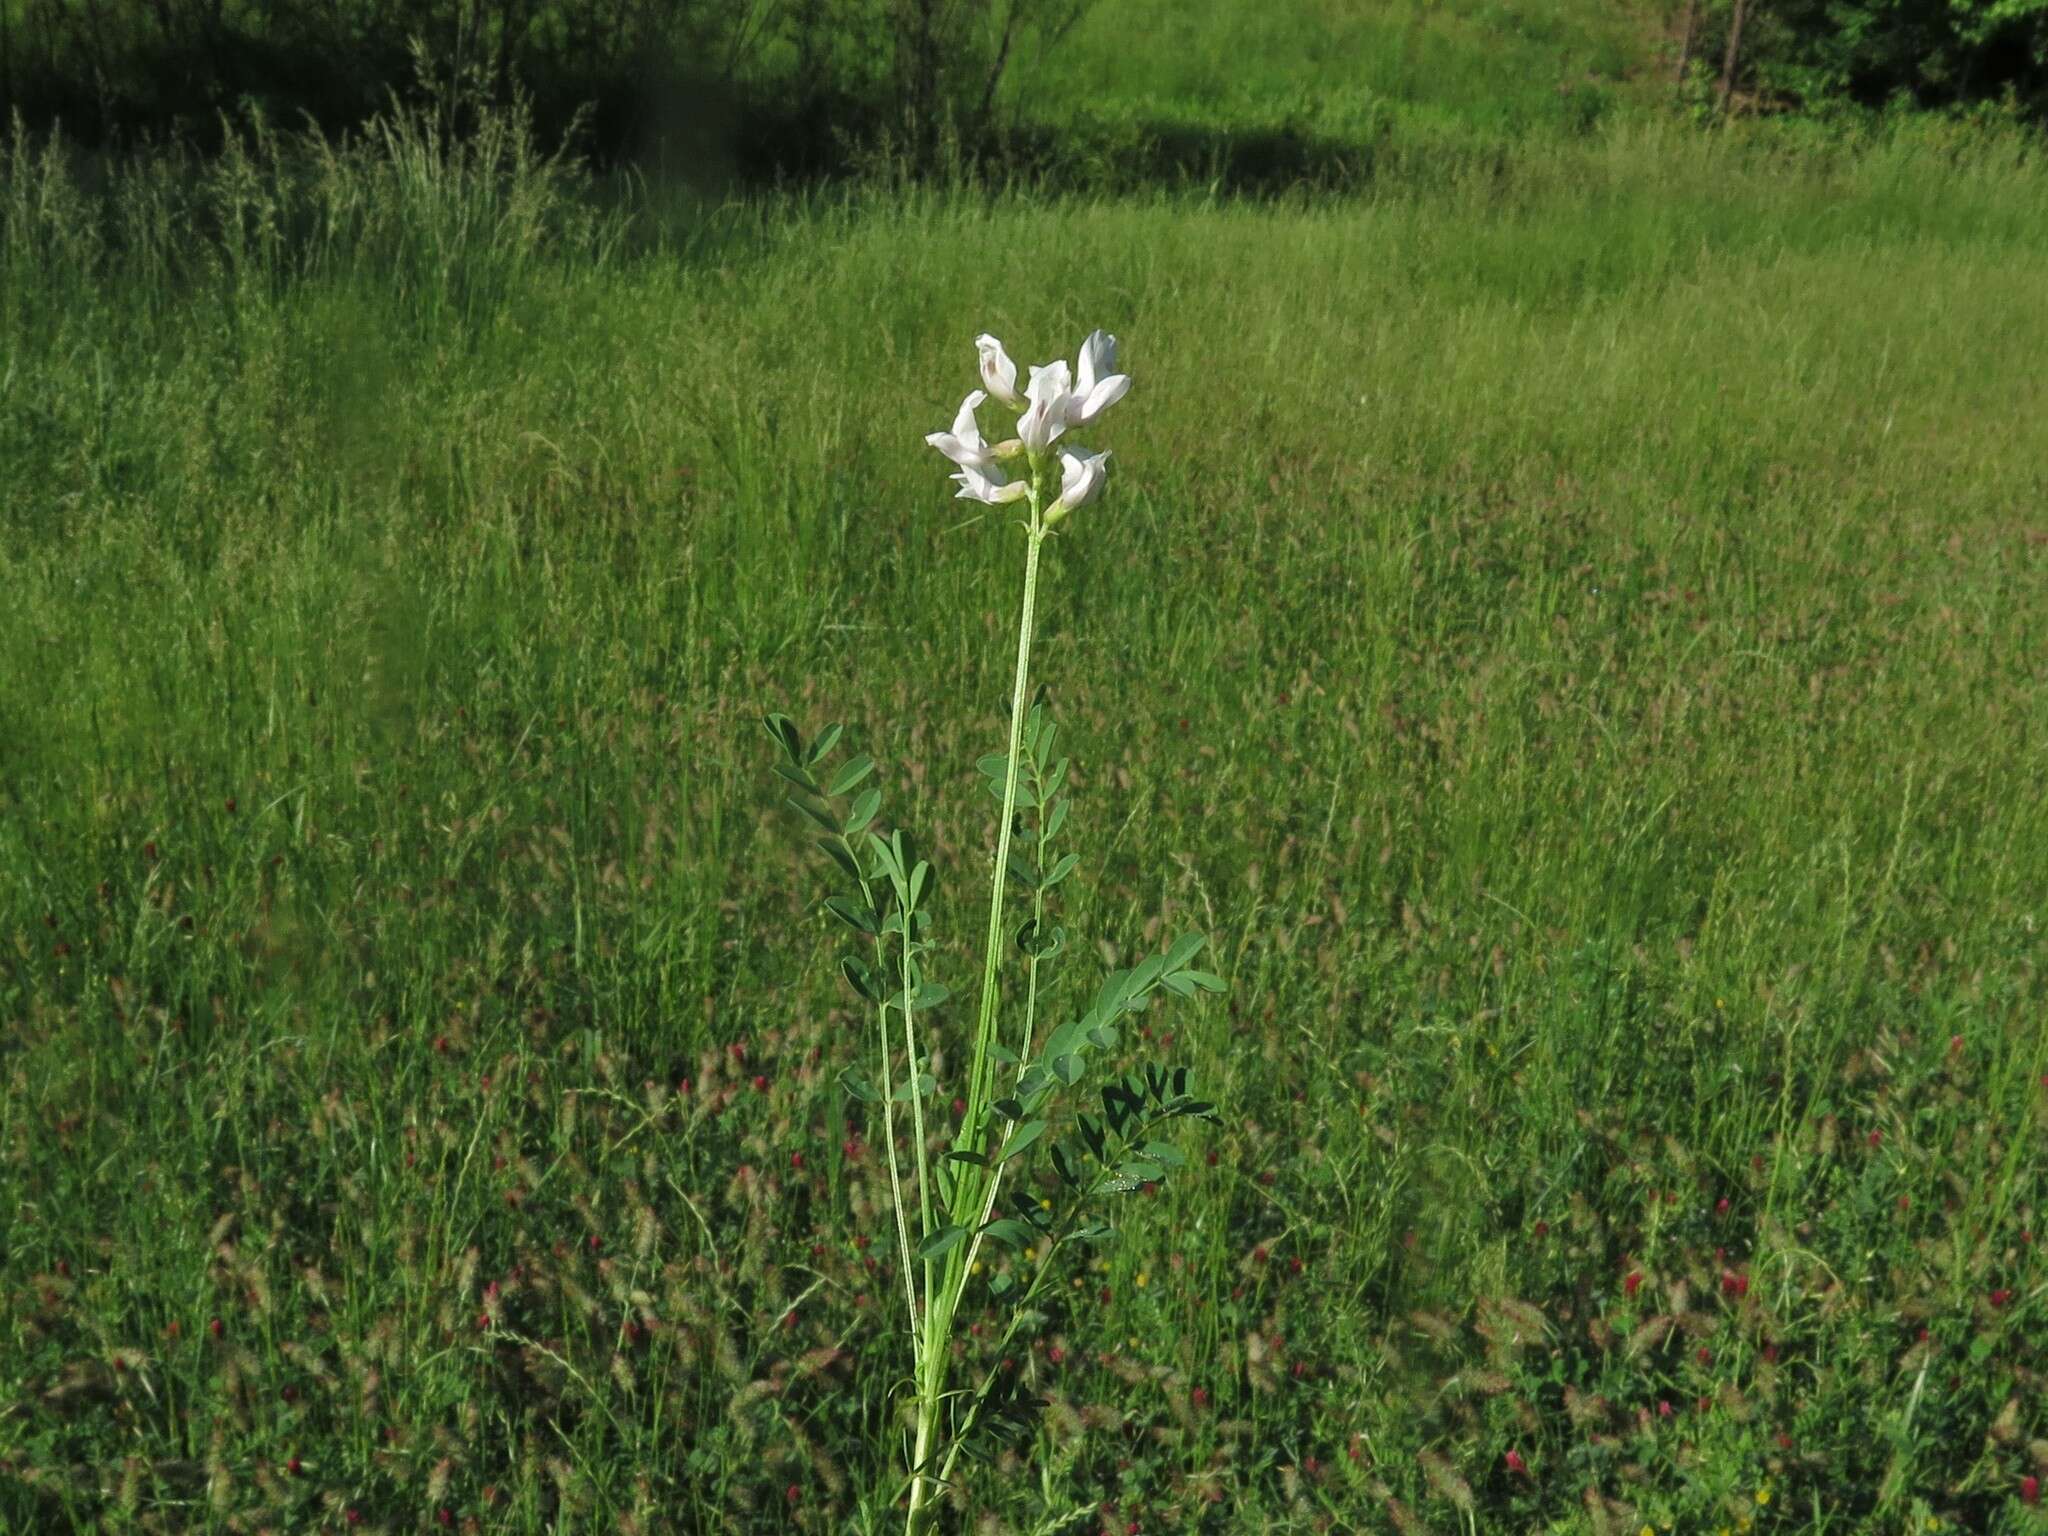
x=1051, y=402
x=964, y=445
x=1097, y=361
x=998, y=372
x=1081, y=481
x=972, y=454
x=1091, y=403
x=975, y=485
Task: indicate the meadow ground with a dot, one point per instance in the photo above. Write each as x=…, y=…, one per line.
x=1571, y=631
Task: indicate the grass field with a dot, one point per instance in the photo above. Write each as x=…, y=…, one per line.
x=1479, y=67
x=1572, y=632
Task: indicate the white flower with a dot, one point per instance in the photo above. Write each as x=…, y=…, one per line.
x=998, y=372
x=1081, y=481
x=963, y=445
x=1050, y=394
x=979, y=485
x=1098, y=385
x=1056, y=398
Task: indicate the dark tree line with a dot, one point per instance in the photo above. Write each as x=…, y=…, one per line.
x=1928, y=53
x=769, y=86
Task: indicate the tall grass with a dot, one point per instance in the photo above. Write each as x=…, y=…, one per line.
x=445, y=222
x=1606, y=588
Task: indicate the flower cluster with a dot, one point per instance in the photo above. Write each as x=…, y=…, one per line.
x=1055, y=399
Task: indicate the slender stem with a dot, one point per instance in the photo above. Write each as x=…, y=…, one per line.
x=992, y=954
x=924, y=1186
x=939, y=1304
x=978, y=1195
x=896, y=1178
x=995, y=1181
x=929, y=1357
x=889, y=1123
x=1038, y=791
x=920, y=1484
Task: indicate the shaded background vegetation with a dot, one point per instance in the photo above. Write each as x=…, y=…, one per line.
x=1927, y=53
x=713, y=91
x=766, y=86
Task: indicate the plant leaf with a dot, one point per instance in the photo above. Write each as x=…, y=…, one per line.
x=885, y=855
x=787, y=736
x=1147, y=973
x=1065, y=1038
x=860, y=978
x=1020, y=1138
x=821, y=814
x=849, y=777
x=942, y=1241
x=863, y=811
x=918, y=1086
x=853, y=914
x=827, y=740
x=835, y=850
x=1091, y=1132
x=797, y=776
x=1055, y=820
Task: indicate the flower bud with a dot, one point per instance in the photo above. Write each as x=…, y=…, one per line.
x=998, y=372
x=1081, y=481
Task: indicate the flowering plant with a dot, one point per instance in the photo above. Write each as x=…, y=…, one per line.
x=950, y=1206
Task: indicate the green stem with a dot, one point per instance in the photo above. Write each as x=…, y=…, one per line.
x=995, y=1178
x=992, y=954
x=969, y=1193
x=924, y=1186
x=867, y=895
x=895, y=1172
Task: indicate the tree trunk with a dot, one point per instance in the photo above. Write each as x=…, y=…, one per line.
x=995, y=72
x=1685, y=35
x=1731, y=62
